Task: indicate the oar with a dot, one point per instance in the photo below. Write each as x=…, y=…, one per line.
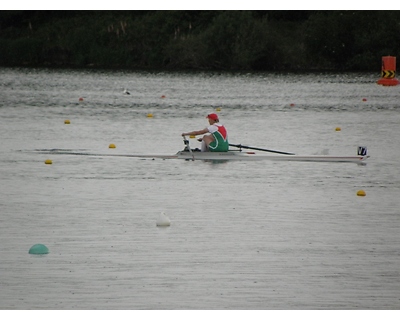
x=246, y=147
x=186, y=142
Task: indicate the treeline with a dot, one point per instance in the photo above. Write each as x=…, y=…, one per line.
x=200, y=40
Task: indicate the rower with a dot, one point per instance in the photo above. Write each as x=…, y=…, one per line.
x=215, y=137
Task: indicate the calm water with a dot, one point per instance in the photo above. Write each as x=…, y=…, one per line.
x=255, y=235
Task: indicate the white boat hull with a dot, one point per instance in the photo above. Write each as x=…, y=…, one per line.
x=223, y=156
x=247, y=156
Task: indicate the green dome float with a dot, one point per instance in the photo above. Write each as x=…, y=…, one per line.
x=39, y=249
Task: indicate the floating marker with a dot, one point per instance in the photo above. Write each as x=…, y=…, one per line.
x=80, y=99
x=163, y=220
x=162, y=97
x=48, y=161
x=338, y=129
x=218, y=109
x=361, y=193
x=149, y=115
x=111, y=146
x=39, y=249
x=292, y=104
x=388, y=72
x=67, y=121
x=364, y=99
x=192, y=136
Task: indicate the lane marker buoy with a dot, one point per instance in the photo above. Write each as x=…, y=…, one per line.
x=163, y=220
x=338, y=129
x=149, y=115
x=67, y=121
x=111, y=146
x=48, y=161
x=361, y=193
x=39, y=249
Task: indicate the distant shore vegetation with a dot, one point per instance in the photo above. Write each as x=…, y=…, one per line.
x=200, y=40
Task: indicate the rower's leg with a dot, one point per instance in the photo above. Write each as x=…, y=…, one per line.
x=207, y=139
x=204, y=146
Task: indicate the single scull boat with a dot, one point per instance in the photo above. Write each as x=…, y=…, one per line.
x=229, y=155
x=188, y=154
x=241, y=155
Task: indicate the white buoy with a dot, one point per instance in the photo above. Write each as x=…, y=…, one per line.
x=163, y=220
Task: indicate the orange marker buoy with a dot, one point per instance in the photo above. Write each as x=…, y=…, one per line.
x=364, y=99
x=388, y=72
x=162, y=96
x=80, y=99
x=292, y=104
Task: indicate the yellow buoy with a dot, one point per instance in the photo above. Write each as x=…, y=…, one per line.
x=192, y=136
x=48, y=161
x=218, y=109
x=149, y=115
x=67, y=121
x=361, y=193
x=112, y=145
x=338, y=129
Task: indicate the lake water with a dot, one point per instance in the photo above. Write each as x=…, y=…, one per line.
x=260, y=235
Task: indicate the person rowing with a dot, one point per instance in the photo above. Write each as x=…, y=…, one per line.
x=215, y=137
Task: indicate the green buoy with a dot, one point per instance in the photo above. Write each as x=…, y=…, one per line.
x=38, y=249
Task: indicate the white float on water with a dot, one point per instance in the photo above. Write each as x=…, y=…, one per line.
x=163, y=220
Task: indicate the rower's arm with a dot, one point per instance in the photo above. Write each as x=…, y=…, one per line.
x=195, y=133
